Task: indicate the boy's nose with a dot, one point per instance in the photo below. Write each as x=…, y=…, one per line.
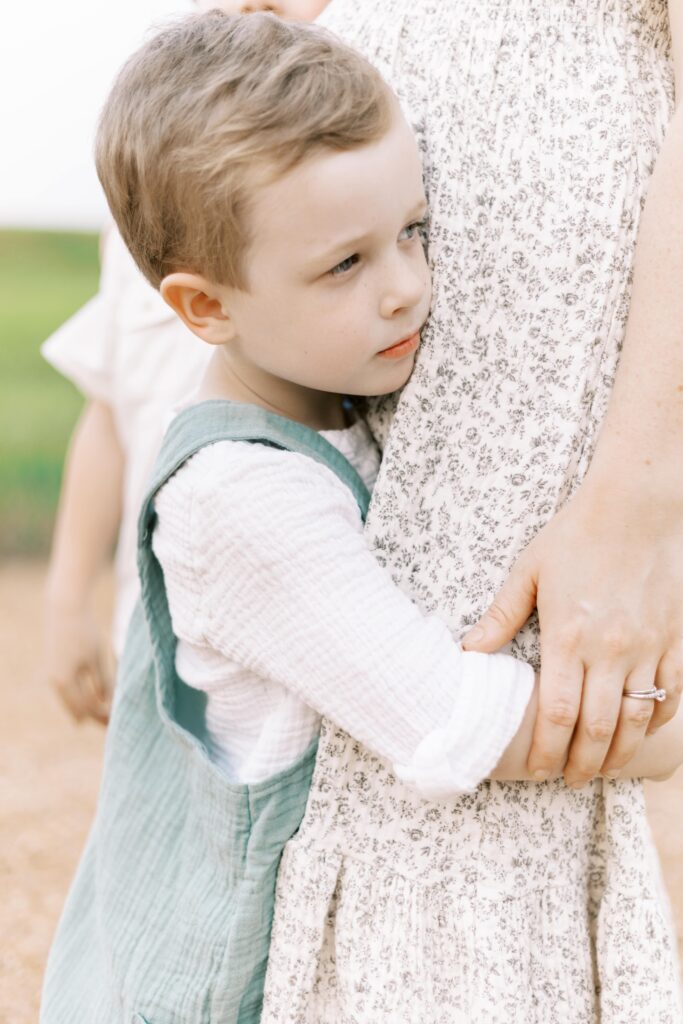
x=403, y=294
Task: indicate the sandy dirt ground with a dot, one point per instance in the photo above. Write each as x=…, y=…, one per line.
x=49, y=775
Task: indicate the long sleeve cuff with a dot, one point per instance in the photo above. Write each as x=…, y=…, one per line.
x=491, y=698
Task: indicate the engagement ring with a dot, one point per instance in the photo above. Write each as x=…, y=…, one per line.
x=654, y=693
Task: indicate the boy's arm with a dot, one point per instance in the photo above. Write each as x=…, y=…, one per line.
x=87, y=523
x=266, y=565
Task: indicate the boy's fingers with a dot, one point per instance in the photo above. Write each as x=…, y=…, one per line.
x=510, y=609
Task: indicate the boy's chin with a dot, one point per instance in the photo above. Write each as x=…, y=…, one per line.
x=400, y=381
x=394, y=382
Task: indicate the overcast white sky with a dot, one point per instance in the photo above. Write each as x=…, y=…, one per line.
x=57, y=61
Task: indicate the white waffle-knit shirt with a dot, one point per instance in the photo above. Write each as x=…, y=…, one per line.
x=283, y=615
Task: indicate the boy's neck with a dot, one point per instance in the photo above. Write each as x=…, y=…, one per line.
x=318, y=410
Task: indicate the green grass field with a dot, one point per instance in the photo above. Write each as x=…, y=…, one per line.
x=44, y=278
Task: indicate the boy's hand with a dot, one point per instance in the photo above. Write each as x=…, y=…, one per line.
x=74, y=665
x=608, y=584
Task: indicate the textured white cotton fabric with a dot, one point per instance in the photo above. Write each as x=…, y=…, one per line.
x=283, y=615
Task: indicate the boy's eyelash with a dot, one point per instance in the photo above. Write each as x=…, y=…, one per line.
x=343, y=267
x=417, y=226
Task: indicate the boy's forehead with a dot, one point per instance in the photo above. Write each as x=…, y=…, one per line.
x=333, y=191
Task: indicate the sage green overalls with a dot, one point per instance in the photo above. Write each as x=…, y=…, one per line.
x=168, y=919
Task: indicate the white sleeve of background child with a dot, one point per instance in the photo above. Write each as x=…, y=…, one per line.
x=265, y=562
x=79, y=350
x=97, y=349
x=82, y=348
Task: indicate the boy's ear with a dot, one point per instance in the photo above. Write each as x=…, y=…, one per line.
x=198, y=304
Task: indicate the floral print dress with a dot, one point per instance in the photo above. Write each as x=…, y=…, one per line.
x=539, y=123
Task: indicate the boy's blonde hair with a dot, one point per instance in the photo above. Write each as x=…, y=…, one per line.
x=209, y=109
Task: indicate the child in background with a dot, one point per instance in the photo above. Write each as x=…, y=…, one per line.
x=296, y=256
x=134, y=361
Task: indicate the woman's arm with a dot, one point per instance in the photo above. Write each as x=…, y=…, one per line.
x=607, y=572
x=87, y=524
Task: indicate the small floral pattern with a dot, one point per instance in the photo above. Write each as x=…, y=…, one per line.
x=519, y=904
x=539, y=123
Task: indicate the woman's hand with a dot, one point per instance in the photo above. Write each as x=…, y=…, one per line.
x=607, y=577
x=657, y=758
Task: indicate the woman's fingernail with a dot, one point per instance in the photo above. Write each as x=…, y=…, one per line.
x=541, y=775
x=613, y=773
x=474, y=636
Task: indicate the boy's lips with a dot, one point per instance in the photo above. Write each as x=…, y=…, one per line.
x=402, y=348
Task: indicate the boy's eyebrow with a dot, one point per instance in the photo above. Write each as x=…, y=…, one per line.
x=347, y=245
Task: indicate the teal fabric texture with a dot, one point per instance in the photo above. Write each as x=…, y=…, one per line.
x=168, y=918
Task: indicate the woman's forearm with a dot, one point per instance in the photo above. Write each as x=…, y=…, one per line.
x=639, y=447
x=638, y=456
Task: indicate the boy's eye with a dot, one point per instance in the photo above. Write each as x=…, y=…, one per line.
x=345, y=265
x=410, y=231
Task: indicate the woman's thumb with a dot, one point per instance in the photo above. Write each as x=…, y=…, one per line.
x=504, y=618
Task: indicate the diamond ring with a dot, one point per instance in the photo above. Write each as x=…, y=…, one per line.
x=654, y=693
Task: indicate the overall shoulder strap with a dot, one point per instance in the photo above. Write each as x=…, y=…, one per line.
x=200, y=425
x=220, y=420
